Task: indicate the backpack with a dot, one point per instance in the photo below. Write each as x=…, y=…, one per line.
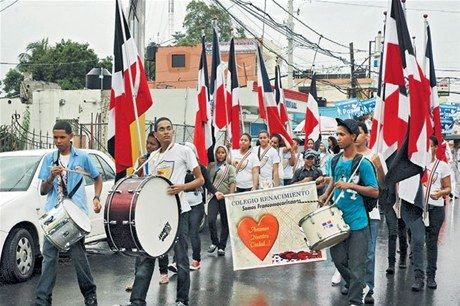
x=369, y=203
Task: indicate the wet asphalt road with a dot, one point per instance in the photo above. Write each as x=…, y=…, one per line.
x=217, y=284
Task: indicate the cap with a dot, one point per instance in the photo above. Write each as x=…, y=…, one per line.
x=309, y=153
x=350, y=124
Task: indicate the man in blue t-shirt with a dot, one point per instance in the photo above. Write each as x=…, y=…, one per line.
x=349, y=256
x=58, y=183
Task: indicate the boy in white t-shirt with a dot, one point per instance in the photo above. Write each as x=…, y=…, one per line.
x=172, y=162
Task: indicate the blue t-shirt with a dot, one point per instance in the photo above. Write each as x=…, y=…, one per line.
x=351, y=202
x=78, y=159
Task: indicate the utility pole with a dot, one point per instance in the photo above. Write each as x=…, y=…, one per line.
x=290, y=39
x=171, y=17
x=137, y=24
x=352, y=75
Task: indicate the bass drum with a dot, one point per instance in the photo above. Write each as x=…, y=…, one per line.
x=140, y=216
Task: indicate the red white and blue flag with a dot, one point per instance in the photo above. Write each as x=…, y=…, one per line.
x=401, y=69
x=233, y=99
x=203, y=136
x=434, y=102
x=128, y=95
x=274, y=124
x=279, y=96
x=217, y=86
x=312, y=119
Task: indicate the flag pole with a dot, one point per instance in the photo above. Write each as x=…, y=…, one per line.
x=134, y=96
x=425, y=39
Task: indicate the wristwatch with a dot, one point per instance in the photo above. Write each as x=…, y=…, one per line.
x=97, y=197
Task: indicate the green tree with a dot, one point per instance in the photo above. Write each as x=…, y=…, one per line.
x=12, y=83
x=66, y=63
x=106, y=63
x=199, y=17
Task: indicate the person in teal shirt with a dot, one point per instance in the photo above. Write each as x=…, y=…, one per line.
x=349, y=256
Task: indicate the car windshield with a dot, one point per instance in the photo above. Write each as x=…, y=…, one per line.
x=17, y=172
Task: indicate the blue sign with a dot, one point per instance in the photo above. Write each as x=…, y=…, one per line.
x=448, y=112
x=367, y=106
x=255, y=128
x=348, y=108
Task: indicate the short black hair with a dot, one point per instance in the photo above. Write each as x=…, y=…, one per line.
x=63, y=125
x=434, y=140
x=298, y=140
x=155, y=127
x=263, y=132
x=363, y=126
x=247, y=135
x=151, y=134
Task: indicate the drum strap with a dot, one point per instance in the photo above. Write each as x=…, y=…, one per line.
x=75, y=188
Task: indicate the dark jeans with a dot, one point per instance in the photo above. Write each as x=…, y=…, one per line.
x=146, y=265
x=218, y=207
x=436, y=215
x=349, y=257
x=412, y=216
x=195, y=218
x=48, y=277
x=238, y=189
x=163, y=262
x=396, y=229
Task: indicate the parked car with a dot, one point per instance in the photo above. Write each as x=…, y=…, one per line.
x=21, y=205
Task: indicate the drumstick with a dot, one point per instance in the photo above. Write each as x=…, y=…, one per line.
x=75, y=171
x=330, y=196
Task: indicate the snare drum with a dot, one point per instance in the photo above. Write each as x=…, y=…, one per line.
x=324, y=228
x=65, y=224
x=140, y=217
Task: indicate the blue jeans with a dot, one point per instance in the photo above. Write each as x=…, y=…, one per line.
x=48, y=277
x=349, y=257
x=146, y=265
x=436, y=215
x=412, y=216
x=195, y=218
x=370, y=260
x=218, y=207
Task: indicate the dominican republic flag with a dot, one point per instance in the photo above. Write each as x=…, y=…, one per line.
x=233, y=101
x=312, y=120
x=434, y=102
x=274, y=124
x=401, y=65
x=130, y=93
x=217, y=86
x=203, y=136
x=279, y=96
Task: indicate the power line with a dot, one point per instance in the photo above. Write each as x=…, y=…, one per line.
x=384, y=7
x=313, y=30
x=9, y=6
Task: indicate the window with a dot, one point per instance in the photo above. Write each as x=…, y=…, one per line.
x=178, y=60
x=108, y=171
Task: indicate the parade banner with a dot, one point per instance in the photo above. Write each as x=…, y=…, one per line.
x=264, y=230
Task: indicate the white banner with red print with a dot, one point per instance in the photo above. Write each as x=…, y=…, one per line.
x=264, y=230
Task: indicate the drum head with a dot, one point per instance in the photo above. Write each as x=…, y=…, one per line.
x=156, y=217
x=330, y=241
x=78, y=216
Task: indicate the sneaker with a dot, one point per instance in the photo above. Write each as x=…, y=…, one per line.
x=180, y=304
x=129, y=287
x=164, y=279
x=391, y=269
x=220, y=252
x=212, y=248
x=91, y=300
x=369, y=299
x=195, y=265
x=172, y=267
x=431, y=283
x=336, y=278
x=418, y=284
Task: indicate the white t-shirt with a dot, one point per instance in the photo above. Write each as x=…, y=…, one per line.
x=441, y=172
x=244, y=172
x=374, y=214
x=287, y=168
x=267, y=161
x=173, y=165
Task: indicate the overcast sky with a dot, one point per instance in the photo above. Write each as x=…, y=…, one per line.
x=343, y=21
